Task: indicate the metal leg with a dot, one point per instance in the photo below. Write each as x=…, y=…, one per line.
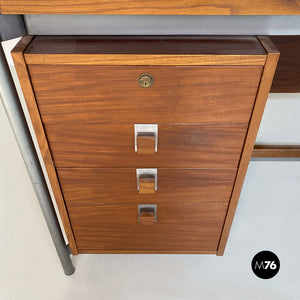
x=18, y=123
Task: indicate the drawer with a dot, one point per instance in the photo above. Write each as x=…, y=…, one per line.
x=76, y=144
x=181, y=227
x=97, y=186
x=111, y=94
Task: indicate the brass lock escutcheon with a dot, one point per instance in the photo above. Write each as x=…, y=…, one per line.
x=145, y=80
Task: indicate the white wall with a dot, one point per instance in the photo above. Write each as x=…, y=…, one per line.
x=280, y=124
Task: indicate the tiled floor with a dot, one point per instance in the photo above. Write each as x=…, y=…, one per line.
x=268, y=217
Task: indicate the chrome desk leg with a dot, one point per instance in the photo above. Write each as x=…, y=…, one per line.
x=18, y=123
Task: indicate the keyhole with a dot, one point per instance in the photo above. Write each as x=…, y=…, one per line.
x=145, y=80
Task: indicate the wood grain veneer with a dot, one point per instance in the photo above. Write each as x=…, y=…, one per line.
x=261, y=98
x=152, y=7
x=147, y=185
x=285, y=151
x=145, y=143
x=78, y=144
x=25, y=82
x=111, y=94
x=179, y=226
x=140, y=59
x=98, y=186
x=111, y=251
x=147, y=218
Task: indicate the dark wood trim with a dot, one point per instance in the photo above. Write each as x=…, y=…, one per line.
x=287, y=75
x=145, y=50
x=284, y=151
x=261, y=98
x=25, y=81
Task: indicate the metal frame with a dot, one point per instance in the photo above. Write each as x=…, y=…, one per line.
x=14, y=111
x=161, y=24
x=11, y=26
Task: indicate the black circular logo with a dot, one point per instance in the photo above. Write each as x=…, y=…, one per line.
x=265, y=264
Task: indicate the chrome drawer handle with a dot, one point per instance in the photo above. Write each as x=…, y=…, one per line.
x=146, y=138
x=147, y=178
x=147, y=214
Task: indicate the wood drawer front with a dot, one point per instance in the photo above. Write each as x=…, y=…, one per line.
x=179, y=227
x=179, y=145
x=111, y=94
x=98, y=186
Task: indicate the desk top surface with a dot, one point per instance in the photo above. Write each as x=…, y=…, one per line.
x=152, y=7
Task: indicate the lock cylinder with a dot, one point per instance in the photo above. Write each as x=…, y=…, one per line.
x=145, y=80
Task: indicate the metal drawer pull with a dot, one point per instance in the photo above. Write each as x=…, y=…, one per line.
x=146, y=181
x=147, y=214
x=145, y=138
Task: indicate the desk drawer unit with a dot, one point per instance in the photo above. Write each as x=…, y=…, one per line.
x=146, y=139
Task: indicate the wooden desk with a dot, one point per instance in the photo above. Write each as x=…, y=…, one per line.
x=152, y=7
